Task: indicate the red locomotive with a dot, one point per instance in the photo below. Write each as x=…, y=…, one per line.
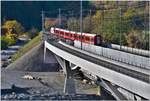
x=71, y=35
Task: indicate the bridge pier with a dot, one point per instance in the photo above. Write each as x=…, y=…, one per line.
x=101, y=92
x=44, y=54
x=111, y=88
x=69, y=86
x=61, y=62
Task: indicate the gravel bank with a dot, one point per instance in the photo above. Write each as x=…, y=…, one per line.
x=49, y=87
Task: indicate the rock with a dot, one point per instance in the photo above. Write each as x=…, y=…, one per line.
x=22, y=96
x=6, y=97
x=92, y=82
x=38, y=78
x=30, y=97
x=84, y=81
x=11, y=96
x=28, y=77
x=37, y=92
x=13, y=93
x=89, y=83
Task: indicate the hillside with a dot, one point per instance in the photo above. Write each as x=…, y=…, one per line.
x=28, y=13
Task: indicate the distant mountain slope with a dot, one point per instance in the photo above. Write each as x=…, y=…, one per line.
x=29, y=12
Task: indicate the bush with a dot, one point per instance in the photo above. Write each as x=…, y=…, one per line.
x=9, y=39
x=4, y=44
x=14, y=27
x=33, y=32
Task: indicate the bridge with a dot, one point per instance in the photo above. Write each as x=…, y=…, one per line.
x=123, y=81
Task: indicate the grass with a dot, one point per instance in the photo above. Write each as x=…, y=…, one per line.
x=32, y=43
x=92, y=90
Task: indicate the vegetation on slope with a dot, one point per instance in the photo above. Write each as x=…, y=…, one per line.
x=127, y=25
x=32, y=43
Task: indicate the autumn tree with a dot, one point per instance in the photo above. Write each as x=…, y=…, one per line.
x=50, y=23
x=12, y=30
x=33, y=32
x=13, y=27
x=133, y=39
x=73, y=24
x=87, y=24
x=97, y=23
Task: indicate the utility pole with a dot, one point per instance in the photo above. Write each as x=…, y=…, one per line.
x=103, y=21
x=81, y=22
x=120, y=29
x=72, y=20
x=59, y=17
x=148, y=30
x=90, y=22
x=43, y=21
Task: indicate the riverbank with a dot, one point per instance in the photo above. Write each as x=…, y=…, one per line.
x=6, y=55
x=49, y=87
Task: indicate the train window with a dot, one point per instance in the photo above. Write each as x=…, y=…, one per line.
x=92, y=39
x=87, y=38
x=62, y=33
x=82, y=37
x=75, y=36
x=57, y=31
x=66, y=34
x=79, y=37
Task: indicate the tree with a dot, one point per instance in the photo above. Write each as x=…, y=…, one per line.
x=13, y=27
x=97, y=23
x=87, y=24
x=50, y=23
x=133, y=39
x=73, y=24
x=33, y=32
x=9, y=39
x=4, y=44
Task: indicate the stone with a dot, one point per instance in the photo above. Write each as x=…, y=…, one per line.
x=28, y=77
x=6, y=97
x=93, y=82
x=84, y=81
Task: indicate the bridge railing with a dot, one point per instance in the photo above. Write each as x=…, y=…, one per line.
x=135, y=60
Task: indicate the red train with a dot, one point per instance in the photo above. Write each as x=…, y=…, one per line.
x=71, y=35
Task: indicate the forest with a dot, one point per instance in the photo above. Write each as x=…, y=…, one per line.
x=123, y=23
x=119, y=22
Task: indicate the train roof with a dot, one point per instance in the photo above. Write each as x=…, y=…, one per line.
x=72, y=32
x=66, y=31
x=57, y=28
x=87, y=34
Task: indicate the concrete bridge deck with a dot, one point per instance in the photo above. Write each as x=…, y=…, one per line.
x=134, y=81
